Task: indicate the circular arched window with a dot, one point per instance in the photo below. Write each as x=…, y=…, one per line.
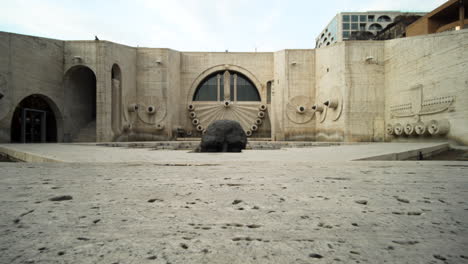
x=375, y=27
x=384, y=19
x=226, y=85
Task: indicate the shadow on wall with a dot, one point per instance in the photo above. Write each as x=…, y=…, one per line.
x=80, y=103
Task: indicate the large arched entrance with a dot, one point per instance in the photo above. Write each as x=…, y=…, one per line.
x=34, y=121
x=228, y=93
x=80, y=96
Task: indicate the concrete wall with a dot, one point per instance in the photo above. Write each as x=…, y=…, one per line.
x=424, y=74
x=351, y=74
x=294, y=87
x=365, y=85
x=373, y=84
x=79, y=54
x=126, y=59
x=330, y=75
x=157, y=86
x=29, y=65
x=278, y=101
x=100, y=56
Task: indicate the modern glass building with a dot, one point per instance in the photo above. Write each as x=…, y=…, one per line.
x=343, y=24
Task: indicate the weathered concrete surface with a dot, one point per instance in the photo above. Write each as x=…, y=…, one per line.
x=374, y=85
x=239, y=212
x=90, y=153
x=413, y=75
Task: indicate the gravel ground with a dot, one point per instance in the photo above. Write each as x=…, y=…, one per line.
x=241, y=212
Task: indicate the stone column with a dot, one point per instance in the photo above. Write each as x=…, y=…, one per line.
x=227, y=86
x=218, y=87
x=116, y=107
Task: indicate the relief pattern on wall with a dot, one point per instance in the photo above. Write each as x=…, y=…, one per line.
x=417, y=107
x=226, y=92
x=332, y=106
x=249, y=115
x=299, y=109
x=421, y=106
x=151, y=110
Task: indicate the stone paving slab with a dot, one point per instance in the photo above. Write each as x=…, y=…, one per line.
x=93, y=153
x=234, y=212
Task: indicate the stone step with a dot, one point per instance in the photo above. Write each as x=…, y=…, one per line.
x=190, y=145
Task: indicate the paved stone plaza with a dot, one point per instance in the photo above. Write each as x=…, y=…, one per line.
x=253, y=207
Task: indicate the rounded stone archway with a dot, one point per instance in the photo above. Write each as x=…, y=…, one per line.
x=36, y=119
x=80, y=101
x=225, y=67
x=228, y=92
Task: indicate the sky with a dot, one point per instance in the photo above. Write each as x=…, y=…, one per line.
x=190, y=25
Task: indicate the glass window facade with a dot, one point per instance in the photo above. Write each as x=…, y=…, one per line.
x=333, y=27
x=354, y=18
x=345, y=26
x=345, y=34
x=354, y=26
x=238, y=84
x=345, y=18
x=371, y=18
x=208, y=91
x=363, y=18
x=246, y=91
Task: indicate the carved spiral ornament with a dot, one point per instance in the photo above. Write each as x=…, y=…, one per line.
x=248, y=114
x=299, y=109
x=150, y=110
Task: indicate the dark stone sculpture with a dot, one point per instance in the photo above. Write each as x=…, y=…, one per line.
x=223, y=136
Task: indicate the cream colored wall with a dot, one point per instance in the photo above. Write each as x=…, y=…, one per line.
x=279, y=86
x=294, y=86
x=29, y=65
x=153, y=89
x=126, y=58
x=176, y=104
x=352, y=74
x=372, y=82
x=76, y=54
x=432, y=67
x=365, y=85
x=100, y=56
x=330, y=83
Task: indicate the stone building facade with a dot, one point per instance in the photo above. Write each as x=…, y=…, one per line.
x=410, y=89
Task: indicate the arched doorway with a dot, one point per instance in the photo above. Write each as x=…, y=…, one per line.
x=34, y=120
x=228, y=93
x=80, y=96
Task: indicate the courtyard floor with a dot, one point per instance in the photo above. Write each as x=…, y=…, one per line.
x=307, y=205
